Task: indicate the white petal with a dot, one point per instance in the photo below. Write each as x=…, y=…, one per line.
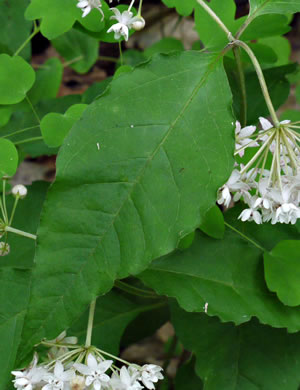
x=83, y=4
x=58, y=369
x=237, y=127
x=103, y=366
x=125, y=377
x=247, y=131
x=71, y=340
x=82, y=368
x=265, y=124
x=285, y=122
x=92, y=362
x=86, y=11
x=97, y=385
x=245, y=215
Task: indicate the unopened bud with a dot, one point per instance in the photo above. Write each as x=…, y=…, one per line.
x=4, y=249
x=19, y=190
x=139, y=24
x=77, y=383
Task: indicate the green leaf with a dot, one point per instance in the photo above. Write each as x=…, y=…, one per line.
x=112, y=315
x=95, y=91
x=260, y=7
x=213, y=223
x=8, y=158
x=48, y=80
x=282, y=271
x=186, y=378
x=14, y=29
x=226, y=10
x=281, y=46
x=127, y=154
x=184, y=8
x=165, y=45
x=5, y=114
x=225, y=277
x=247, y=357
x=78, y=47
x=55, y=127
x=59, y=16
x=14, y=282
x=26, y=123
x=26, y=218
x=16, y=78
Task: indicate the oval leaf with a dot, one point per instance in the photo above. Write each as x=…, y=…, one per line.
x=8, y=158
x=16, y=78
x=282, y=271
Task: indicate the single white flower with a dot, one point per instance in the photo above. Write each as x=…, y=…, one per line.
x=234, y=184
x=150, y=374
x=242, y=137
x=125, y=22
x=58, y=351
x=94, y=372
x=128, y=379
x=287, y=213
x=19, y=191
x=87, y=5
x=59, y=379
x=250, y=215
x=29, y=378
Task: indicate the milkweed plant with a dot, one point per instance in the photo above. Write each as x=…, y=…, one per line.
x=176, y=196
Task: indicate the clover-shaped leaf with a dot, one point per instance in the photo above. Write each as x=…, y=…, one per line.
x=55, y=127
x=16, y=78
x=59, y=17
x=8, y=158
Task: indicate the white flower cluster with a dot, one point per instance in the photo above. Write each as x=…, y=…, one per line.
x=125, y=20
x=270, y=182
x=83, y=369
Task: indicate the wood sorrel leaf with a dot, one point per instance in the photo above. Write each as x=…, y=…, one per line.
x=14, y=29
x=8, y=158
x=282, y=271
x=135, y=174
x=16, y=78
x=55, y=127
x=78, y=47
x=226, y=275
x=247, y=357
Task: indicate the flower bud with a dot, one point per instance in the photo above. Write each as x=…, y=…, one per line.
x=19, y=190
x=4, y=249
x=139, y=24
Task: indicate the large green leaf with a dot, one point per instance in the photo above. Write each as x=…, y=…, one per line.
x=16, y=78
x=247, y=357
x=8, y=158
x=160, y=132
x=260, y=7
x=112, y=315
x=14, y=29
x=223, y=277
x=282, y=271
x=14, y=282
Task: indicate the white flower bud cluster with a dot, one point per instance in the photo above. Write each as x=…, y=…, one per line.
x=83, y=369
x=271, y=189
x=125, y=20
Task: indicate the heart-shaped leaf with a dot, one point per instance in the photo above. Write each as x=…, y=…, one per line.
x=8, y=158
x=16, y=78
x=55, y=127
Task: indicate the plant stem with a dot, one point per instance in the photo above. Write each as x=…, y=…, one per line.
x=28, y=140
x=20, y=131
x=4, y=210
x=140, y=8
x=121, y=53
x=89, y=331
x=20, y=232
x=261, y=79
x=106, y=58
x=14, y=209
x=245, y=237
x=134, y=290
x=36, y=29
x=216, y=19
x=79, y=58
x=33, y=109
x=243, y=108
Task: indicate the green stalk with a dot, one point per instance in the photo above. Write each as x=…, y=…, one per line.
x=242, y=81
x=20, y=232
x=89, y=331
